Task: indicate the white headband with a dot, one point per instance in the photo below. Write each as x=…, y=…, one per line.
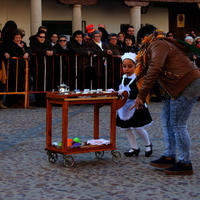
x=130, y=56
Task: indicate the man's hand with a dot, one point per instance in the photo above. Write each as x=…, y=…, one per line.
x=7, y=55
x=26, y=55
x=109, y=52
x=49, y=53
x=138, y=104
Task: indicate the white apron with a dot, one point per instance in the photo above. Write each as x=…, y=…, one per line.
x=124, y=112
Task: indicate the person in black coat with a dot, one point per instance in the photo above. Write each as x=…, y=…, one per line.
x=2, y=78
x=41, y=66
x=61, y=62
x=81, y=49
x=6, y=39
x=62, y=46
x=129, y=45
x=19, y=49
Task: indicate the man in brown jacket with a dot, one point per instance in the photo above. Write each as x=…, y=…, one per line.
x=167, y=62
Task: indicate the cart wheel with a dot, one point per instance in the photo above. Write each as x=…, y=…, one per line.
x=116, y=156
x=68, y=161
x=99, y=154
x=52, y=157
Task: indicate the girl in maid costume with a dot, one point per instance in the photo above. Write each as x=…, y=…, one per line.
x=133, y=121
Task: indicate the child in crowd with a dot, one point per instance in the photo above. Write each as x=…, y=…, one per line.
x=135, y=119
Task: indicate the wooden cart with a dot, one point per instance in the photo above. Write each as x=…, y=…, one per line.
x=98, y=100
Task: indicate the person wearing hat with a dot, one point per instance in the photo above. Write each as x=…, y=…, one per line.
x=90, y=28
x=133, y=120
x=189, y=40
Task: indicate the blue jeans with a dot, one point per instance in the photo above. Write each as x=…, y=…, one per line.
x=174, y=122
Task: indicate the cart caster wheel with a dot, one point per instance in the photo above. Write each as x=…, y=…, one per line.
x=68, y=161
x=52, y=157
x=99, y=154
x=116, y=156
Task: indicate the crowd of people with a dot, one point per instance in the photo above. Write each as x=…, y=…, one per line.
x=93, y=41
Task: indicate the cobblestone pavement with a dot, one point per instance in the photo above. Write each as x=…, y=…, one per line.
x=26, y=173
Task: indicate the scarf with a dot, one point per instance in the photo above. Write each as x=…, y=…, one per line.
x=142, y=67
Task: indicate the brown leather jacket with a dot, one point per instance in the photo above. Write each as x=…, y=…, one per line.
x=170, y=65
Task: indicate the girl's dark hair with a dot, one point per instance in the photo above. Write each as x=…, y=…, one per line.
x=131, y=38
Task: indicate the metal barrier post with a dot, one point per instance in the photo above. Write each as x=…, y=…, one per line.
x=45, y=73
x=76, y=74
x=17, y=72
x=106, y=74
x=61, y=72
x=7, y=70
x=26, y=98
x=91, y=65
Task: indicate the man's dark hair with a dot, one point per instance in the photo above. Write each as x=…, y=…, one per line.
x=39, y=32
x=62, y=36
x=145, y=30
x=78, y=32
x=42, y=27
x=129, y=26
x=54, y=33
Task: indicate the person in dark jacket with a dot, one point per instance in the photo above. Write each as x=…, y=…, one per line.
x=121, y=39
x=78, y=46
x=61, y=61
x=19, y=49
x=129, y=45
x=82, y=51
x=2, y=76
x=41, y=67
x=113, y=46
x=6, y=40
x=114, y=61
x=62, y=46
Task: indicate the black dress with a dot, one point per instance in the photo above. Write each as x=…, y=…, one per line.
x=139, y=117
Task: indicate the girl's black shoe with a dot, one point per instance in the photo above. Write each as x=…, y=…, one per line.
x=132, y=152
x=148, y=153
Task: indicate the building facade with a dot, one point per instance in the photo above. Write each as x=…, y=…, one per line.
x=30, y=14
